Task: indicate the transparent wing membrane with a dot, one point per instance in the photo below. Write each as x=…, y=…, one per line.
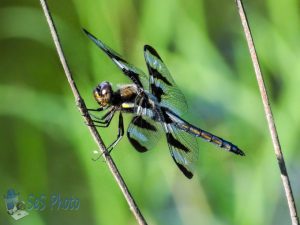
x=143, y=133
x=135, y=74
x=162, y=85
x=183, y=148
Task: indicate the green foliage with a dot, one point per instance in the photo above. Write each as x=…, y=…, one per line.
x=46, y=147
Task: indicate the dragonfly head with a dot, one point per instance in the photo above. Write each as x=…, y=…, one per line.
x=103, y=94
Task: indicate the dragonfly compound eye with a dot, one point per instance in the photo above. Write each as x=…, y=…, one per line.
x=102, y=94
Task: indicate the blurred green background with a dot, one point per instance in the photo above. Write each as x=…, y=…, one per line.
x=46, y=147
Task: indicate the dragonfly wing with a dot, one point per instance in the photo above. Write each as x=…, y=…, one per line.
x=162, y=84
x=135, y=74
x=143, y=133
x=183, y=148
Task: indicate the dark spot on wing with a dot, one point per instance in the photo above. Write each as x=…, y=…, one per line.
x=116, y=57
x=177, y=144
x=187, y=173
x=136, y=144
x=140, y=122
x=144, y=103
x=104, y=48
x=152, y=51
x=159, y=76
x=166, y=118
x=133, y=76
x=154, y=71
x=157, y=92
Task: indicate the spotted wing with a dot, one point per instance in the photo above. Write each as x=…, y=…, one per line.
x=143, y=133
x=135, y=74
x=162, y=84
x=183, y=148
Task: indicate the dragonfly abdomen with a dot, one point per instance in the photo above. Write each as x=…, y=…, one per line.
x=189, y=128
x=211, y=138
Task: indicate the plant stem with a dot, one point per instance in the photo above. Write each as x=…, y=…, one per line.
x=82, y=108
x=269, y=116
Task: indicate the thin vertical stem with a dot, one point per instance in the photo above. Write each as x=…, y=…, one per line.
x=269, y=116
x=82, y=108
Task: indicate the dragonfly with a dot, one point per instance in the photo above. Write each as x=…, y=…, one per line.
x=157, y=105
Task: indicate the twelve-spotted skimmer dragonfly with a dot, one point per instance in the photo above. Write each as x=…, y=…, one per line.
x=156, y=103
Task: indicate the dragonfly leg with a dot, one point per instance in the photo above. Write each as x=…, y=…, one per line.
x=100, y=110
x=105, y=120
x=119, y=137
x=96, y=110
x=120, y=133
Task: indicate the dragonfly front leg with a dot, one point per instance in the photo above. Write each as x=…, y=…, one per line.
x=120, y=134
x=119, y=137
x=105, y=120
x=96, y=110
